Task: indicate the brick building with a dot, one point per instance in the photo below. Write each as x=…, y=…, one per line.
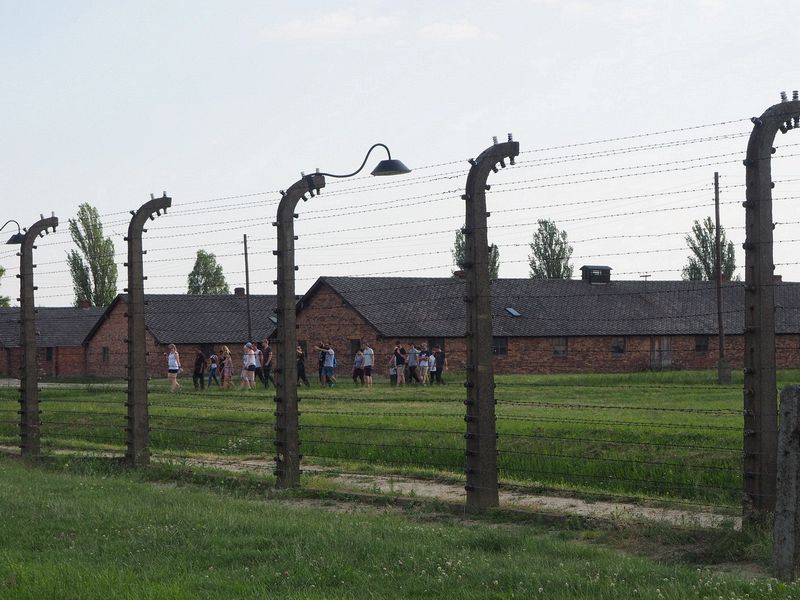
x=61, y=332
x=545, y=326
x=190, y=322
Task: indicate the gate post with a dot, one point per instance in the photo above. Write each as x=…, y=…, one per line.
x=29, y=431
x=760, y=395
x=786, y=542
x=481, y=437
x=287, y=437
x=138, y=430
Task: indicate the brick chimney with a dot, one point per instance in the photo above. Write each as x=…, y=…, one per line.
x=777, y=278
x=239, y=291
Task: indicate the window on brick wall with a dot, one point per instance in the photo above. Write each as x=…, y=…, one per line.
x=701, y=343
x=355, y=346
x=500, y=346
x=48, y=354
x=559, y=346
x=106, y=355
x=618, y=345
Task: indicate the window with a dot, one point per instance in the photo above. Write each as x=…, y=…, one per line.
x=106, y=355
x=560, y=346
x=48, y=354
x=513, y=311
x=618, y=345
x=500, y=346
x=701, y=343
x=355, y=346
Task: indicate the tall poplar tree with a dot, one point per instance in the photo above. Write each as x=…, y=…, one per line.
x=550, y=253
x=5, y=301
x=207, y=276
x=703, y=243
x=92, y=266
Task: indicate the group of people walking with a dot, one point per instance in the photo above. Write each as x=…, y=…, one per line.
x=417, y=365
x=256, y=363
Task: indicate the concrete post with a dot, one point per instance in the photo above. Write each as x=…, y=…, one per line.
x=29, y=422
x=481, y=438
x=287, y=438
x=786, y=547
x=760, y=402
x=138, y=429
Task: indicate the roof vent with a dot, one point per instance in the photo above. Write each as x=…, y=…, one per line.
x=513, y=311
x=239, y=291
x=595, y=274
x=274, y=320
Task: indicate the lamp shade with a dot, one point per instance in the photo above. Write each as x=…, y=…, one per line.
x=390, y=167
x=17, y=238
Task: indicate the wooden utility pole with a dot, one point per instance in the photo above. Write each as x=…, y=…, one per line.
x=247, y=292
x=723, y=368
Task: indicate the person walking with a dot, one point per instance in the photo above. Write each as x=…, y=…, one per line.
x=358, y=367
x=259, y=374
x=267, y=364
x=441, y=365
x=329, y=365
x=321, y=352
x=432, y=366
x=301, y=367
x=424, y=365
x=369, y=361
x=248, y=367
x=400, y=363
x=213, y=367
x=227, y=368
x=392, y=370
x=199, y=372
x=413, y=363
x=173, y=368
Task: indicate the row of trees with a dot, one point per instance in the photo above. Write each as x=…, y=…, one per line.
x=94, y=272
x=551, y=253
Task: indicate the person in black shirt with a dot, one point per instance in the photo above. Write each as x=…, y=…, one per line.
x=301, y=367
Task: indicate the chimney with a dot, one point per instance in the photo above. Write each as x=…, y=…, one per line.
x=85, y=304
x=777, y=278
x=596, y=274
x=238, y=292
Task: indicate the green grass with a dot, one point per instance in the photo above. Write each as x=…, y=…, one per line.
x=670, y=436
x=83, y=530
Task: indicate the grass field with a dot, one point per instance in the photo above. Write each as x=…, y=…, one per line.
x=85, y=530
x=672, y=437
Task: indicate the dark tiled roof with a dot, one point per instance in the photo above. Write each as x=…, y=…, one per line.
x=434, y=307
x=188, y=319
x=57, y=326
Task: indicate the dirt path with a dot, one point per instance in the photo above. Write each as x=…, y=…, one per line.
x=537, y=503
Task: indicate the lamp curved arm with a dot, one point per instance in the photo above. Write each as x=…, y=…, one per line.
x=19, y=229
x=357, y=171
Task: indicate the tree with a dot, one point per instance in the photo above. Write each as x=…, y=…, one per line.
x=93, y=270
x=702, y=242
x=207, y=276
x=5, y=301
x=459, y=259
x=550, y=252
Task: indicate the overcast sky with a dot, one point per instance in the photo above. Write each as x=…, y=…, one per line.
x=108, y=102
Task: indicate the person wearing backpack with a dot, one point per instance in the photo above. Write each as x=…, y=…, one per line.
x=267, y=364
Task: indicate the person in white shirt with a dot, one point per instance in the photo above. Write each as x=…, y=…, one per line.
x=369, y=361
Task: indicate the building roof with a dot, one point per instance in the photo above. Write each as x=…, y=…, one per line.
x=57, y=326
x=434, y=307
x=203, y=319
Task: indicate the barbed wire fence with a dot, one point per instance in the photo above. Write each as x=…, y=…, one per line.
x=650, y=438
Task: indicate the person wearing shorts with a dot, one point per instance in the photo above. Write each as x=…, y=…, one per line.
x=328, y=366
x=173, y=368
x=358, y=367
x=249, y=367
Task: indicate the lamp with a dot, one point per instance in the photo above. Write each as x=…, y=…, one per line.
x=388, y=166
x=18, y=237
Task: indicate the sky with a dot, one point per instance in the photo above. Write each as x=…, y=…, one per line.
x=221, y=105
